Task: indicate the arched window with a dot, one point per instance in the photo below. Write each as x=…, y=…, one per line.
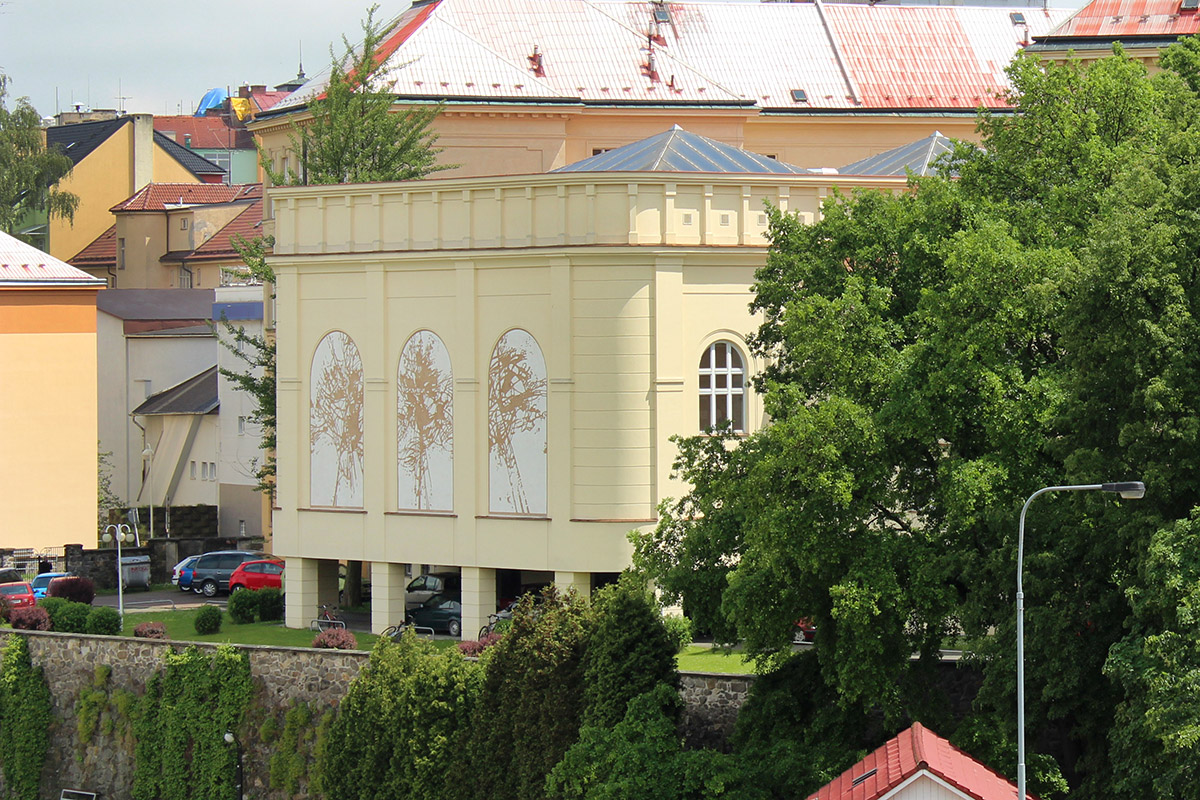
x=722, y=387
x=517, y=426
x=335, y=423
x=425, y=425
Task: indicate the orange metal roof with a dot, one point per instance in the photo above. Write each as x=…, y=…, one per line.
x=611, y=52
x=24, y=265
x=916, y=750
x=1124, y=18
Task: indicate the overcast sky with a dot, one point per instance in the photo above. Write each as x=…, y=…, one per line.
x=161, y=56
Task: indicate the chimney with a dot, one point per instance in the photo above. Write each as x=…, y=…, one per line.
x=143, y=150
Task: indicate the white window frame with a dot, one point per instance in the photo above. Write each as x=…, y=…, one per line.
x=716, y=396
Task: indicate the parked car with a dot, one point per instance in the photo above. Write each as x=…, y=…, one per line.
x=264, y=574
x=41, y=583
x=423, y=587
x=11, y=575
x=210, y=573
x=440, y=612
x=181, y=575
x=18, y=595
x=804, y=631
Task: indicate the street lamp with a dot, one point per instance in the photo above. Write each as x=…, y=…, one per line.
x=119, y=533
x=1129, y=490
x=148, y=455
x=230, y=738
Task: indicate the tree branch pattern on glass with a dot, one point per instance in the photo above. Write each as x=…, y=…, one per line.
x=517, y=426
x=336, y=424
x=425, y=425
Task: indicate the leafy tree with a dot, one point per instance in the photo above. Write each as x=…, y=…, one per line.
x=938, y=355
x=26, y=717
x=355, y=135
x=531, y=704
x=642, y=758
x=28, y=170
x=401, y=724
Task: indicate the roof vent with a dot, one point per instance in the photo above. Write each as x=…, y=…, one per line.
x=1189, y=5
x=1017, y=18
x=536, y=64
x=799, y=96
x=862, y=777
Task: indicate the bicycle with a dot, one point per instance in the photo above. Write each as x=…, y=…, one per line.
x=494, y=620
x=326, y=619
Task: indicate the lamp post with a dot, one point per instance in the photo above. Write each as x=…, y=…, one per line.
x=1130, y=490
x=119, y=533
x=230, y=738
x=148, y=455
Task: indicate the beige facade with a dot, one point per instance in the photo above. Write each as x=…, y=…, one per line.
x=485, y=373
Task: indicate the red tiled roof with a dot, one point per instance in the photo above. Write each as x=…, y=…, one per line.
x=247, y=225
x=24, y=265
x=102, y=252
x=207, y=133
x=1122, y=18
x=843, y=57
x=909, y=753
x=158, y=196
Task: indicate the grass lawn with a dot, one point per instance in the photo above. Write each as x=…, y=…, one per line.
x=181, y=626
x=708, y=659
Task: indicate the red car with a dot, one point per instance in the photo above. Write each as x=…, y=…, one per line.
x=18, y=595
x=263, y=574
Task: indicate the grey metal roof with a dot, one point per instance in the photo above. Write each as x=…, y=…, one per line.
x=920, y=157
x=196, y=395
x=190, y=160
x=677, y=150
x=156, y=304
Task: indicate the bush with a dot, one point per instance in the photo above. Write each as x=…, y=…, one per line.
x=270, y=605
x=679, y=629
x=77, y=589
x=150, y=630
x=208, y=620
x=5, y=609
x=70, y=618
x=336, y=639
x=103, y=621
x=29, y=619
x=243, y=605
x=476, y=648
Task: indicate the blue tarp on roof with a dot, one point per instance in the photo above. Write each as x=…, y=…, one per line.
x=213, y=98
x=677, y=150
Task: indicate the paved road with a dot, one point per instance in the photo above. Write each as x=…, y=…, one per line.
x=142, y=600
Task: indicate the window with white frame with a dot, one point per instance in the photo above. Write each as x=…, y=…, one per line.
x=722, y=387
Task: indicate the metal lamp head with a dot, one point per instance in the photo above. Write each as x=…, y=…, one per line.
x=229, y=737
x=1129, y=490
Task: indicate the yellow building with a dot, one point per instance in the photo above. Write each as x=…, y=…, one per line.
x=532, y=85
x=113, y=159
x=484, y=373
x=48, y=439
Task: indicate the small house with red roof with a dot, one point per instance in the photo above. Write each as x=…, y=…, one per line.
x=917, y=764
x=1144, y=28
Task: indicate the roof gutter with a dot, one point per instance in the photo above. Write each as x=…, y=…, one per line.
x=837, y=53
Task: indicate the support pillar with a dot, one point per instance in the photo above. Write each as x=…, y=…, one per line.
x=581, y=582
x=387, y=595
x=478, y=599
x=311, y=582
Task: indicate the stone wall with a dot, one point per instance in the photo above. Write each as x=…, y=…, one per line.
x=711, y=702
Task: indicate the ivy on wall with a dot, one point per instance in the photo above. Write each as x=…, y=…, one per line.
x=181, y=723
x=103, y=710
x=293, y=746
x=25, y=720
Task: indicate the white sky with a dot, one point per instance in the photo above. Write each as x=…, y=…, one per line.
x=163, y=55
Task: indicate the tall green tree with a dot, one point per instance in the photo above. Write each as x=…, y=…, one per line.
x=356, y=133
x=938, y=355
x=28, y=170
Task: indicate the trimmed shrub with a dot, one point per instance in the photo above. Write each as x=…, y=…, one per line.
x=476, y=648
x=103, y=621
x=150, y=630
x=70, y=618
x=335, y=639
x=679, y=629
x=29, y=619
x=53, y=606
x=76, y=588
x=208, y=620
x=243, y=605
x=270, y=605
x=5, y=609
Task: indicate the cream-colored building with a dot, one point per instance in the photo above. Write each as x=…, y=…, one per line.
x=485, y=373
x=48, y=439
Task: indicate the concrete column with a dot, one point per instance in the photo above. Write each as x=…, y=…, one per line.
x=387, y=595
x=581, y=582
x=478, y=599
x=311, y=582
